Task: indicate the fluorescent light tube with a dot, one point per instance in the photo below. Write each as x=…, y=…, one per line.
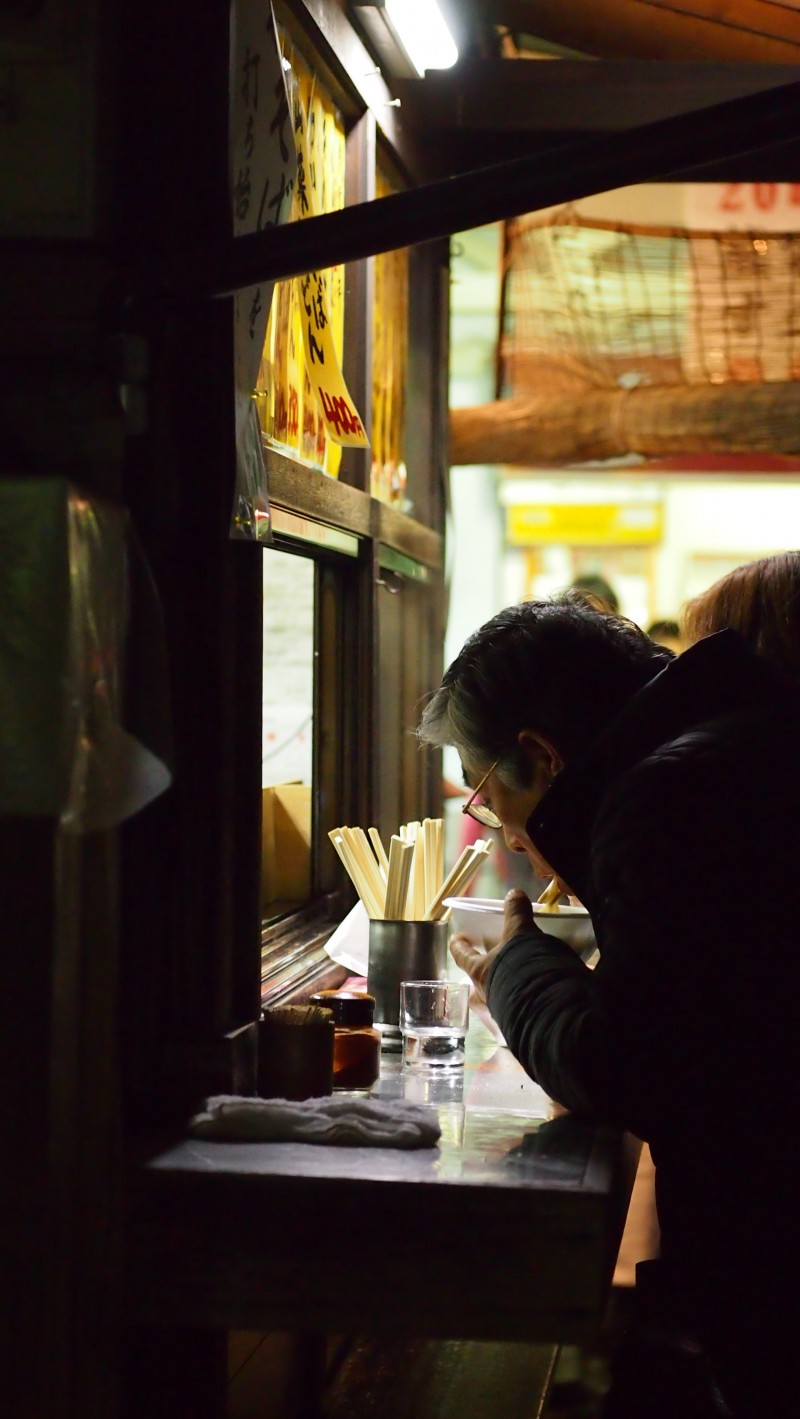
x=410, y=36
x=423, y=33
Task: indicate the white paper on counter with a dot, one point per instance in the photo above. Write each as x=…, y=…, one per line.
x=349, y=945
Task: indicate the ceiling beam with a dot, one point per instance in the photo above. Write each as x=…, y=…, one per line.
x=472, y=199
x=574, y=96
x=745, y=30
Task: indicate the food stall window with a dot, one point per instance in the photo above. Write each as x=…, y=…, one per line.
x=311, y=716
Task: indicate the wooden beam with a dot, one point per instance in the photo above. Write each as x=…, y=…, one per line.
x=600, y=424
x=459, y=151
x=649, y=154
x=574, y=96
x=656, y=29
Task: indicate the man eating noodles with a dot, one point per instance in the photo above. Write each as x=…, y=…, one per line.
x=665, y=794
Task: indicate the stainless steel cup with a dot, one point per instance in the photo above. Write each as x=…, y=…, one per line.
x=398, y=951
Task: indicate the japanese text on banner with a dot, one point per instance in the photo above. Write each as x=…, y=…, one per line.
x=263, y=169
x=342, y=421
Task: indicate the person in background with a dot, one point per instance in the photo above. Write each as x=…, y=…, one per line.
x=452, y=790
x=760, y=600
x=663, y=793
x=667, y=633
x=596, y=591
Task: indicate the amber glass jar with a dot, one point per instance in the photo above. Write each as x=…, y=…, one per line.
x=356, y=1043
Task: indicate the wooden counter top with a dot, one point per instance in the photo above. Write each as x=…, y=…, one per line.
x=507, y=1230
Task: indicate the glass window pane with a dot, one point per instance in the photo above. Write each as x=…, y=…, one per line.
x=287, y=729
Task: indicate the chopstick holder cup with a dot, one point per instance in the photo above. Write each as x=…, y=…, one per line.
x=398, y=951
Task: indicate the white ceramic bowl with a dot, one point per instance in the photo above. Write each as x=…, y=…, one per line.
x=483, y=917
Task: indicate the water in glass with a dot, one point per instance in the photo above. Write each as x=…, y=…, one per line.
x=433, y=1047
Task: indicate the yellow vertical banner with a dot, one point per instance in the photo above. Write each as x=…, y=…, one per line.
x=334, y=157
x=341, y=418
x=304, y=404
x=332, y=160
x=285, y=372
x=305, y=195
x=262, y=161
x=390, y=354
x=379, y=334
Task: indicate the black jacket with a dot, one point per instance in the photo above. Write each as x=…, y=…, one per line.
x=680, y=831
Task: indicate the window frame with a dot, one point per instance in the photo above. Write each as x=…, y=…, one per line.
x=311, y=514
x=292, y=943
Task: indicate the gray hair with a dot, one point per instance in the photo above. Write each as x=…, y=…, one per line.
x=560, y=668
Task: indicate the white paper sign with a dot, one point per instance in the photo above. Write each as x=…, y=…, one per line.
x=743, y=206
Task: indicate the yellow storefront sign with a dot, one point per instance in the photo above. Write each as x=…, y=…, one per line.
x=585, y=524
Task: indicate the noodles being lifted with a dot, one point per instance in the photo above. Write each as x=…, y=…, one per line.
x=549, y=897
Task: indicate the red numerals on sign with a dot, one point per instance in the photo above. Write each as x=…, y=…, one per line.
x=763, y=196
x=340, y=415
x=731, y=199
x=294, y=412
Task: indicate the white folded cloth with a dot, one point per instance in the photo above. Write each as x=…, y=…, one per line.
x=344, y=1121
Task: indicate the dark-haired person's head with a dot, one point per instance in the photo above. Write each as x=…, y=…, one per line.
x=760, y=600
x=595, y=591
x=667, y=633
x=530, y=690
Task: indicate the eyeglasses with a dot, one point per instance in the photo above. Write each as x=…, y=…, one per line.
x=479, y=811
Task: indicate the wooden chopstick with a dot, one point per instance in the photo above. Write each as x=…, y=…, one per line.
x=361, y=883
x=402, y=885
x=419, y=874
x=354, y=870
x=401, y=855
x=358, y=841
x=431, y=879
x=380, y=852
x=438, y=872
x=444, y=890
x=459, y=876
x=479, y=853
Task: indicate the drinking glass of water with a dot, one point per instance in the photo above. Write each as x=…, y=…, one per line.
x=434, y=1016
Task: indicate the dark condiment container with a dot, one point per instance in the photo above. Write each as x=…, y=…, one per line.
x=295, y=1052
x=356, y=1043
